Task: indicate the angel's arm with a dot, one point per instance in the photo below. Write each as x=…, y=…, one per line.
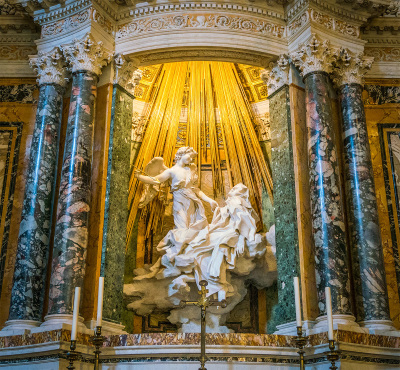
x=207, y=199
x=163, y=176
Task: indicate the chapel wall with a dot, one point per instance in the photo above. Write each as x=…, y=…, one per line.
x=18, y=99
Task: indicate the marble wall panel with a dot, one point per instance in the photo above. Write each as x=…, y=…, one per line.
x=12, y=110
x=96, y=218
x=303, y=205
x=10, y=139
x=377, y=117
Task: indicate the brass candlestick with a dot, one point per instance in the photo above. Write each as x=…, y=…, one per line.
x=300, y=344
x=333, y=355
x=72, y=355
x=203, y=303
x=97, y=341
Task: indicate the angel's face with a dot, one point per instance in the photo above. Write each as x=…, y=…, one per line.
x=187, y=158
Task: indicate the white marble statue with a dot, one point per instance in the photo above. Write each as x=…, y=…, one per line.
x=196, y=250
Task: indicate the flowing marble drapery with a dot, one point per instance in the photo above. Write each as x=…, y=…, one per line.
x=27, y=298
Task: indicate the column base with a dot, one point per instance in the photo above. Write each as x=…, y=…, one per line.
x=18, y=327
x=381, y=327
x=61, y=321
x=107, y=327
x=290, y=328
x=340, y=322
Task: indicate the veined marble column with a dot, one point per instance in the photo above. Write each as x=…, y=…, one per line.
x=365, y=238
x=70, y=241
x=117, y=190
x=315, y=62
x=27, y=296
x=286, y=234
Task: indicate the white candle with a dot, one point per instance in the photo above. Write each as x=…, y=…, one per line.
x=75, y=315
x=100, y=301
x=297, y=300
x=328, y=298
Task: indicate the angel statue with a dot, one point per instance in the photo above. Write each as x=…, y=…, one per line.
x=188, y=210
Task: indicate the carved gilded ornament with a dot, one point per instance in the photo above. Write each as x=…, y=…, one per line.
x=50, y=67
x=277, y=74
x=350, y=68
x=127, y=74
x=86, y=54
x=203, y=21
x=314, y=56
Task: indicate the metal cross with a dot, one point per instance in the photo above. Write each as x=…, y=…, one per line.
x=203, y=303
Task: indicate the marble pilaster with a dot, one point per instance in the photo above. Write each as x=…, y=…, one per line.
x=314, y=60
x=117, y=189
x=286, y=234
x=372, y=306
x=27, y=298
x=71, y=232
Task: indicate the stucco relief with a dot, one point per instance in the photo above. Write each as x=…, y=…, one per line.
x=75, y=21
x=16, y=52
x=197, y=21
x=325, y=20
x=391, y=54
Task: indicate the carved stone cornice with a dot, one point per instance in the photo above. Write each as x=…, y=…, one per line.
x=350, y=68
x=277, y=74
x=50, y=67
x=314, y=56
x=126, y=74
x=270, y=10
x=86, y=54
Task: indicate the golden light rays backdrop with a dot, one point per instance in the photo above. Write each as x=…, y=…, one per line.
x=203, y=105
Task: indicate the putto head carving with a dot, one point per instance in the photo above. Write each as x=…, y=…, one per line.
x=314, y=56
x=350, y=67
x=50, y=67
x=86, y=54
x=277, y=74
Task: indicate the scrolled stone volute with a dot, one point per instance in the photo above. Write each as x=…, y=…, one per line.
x=50, y=67
x=86, y=55
x=314, y=56
x=350, y=68
x=126, y=73
x=277, y=74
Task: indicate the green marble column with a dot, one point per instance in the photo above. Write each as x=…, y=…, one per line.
x=286, y=234
x=283, y=175
x=116, y=209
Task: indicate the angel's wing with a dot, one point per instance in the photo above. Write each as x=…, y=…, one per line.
x=153, y=168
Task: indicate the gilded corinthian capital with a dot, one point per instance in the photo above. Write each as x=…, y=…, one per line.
x=126, y=74
x=314, y=56
x=50, y=67
x=277, y=74
x=350, y=68
x=86, y=55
